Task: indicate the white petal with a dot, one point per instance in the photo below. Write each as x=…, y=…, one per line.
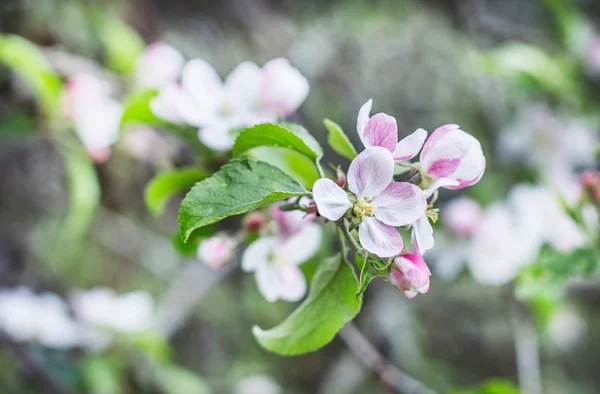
x=98, y=124
x=401, y=203
x=332, y=201
x=363, y=117
x=202, y=81
x=268, y=282
x=257, y=254
x=423, y=233
x=379, y=238
x=442, y=182
x=166, y=103
x=371, y=172
x=284, y=88
x=303, y=245
x=410, y=146
x=244, y=85
x=216, y=137
x=292, y=284
x=159, y=65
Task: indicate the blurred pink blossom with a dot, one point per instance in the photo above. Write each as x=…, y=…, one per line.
x=462, y=216
x=159, y=65
x=216, y=251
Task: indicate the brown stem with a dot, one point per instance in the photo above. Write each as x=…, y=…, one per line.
x=389, y=374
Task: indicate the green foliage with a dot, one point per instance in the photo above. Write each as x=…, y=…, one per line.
x=26, y=59
x=288, y=136
x=238, y=187
x=190, y=247
x=153, y=346
x=289, y=161
x=339, y=141
x=122, y=44
x=177, y=380
x=102, y=374
x=330, y=304
x=492, y=386
x=137, y=108
x=166, y=184
x=367, y=274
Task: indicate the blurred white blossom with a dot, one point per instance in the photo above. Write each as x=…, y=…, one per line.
x=159, y=65
x=257, y=384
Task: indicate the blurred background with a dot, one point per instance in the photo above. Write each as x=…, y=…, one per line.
x=523, y=76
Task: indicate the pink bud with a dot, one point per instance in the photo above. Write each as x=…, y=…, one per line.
x=216, y=251
x=254, y=222
x=590, y=180
x=341, y=177
x=410, y=274
x=284, y=87
x=100, y=155
x=462, y=215
x=451, y=153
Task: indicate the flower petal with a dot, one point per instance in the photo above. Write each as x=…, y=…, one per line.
x=363, y=117
x=436, y=136
x=292, y=284
x=332, y=201
x=415, y=270
x=244, y=85
x=303, y=245
x=216, y=137
x=165, y=104
x=381, y=130
x=401, y=203
x=471, y=168
x=258, y=253
x=379, y=238
x=423, y=234
x=371, y=172
x=410, y=145
x=159, y=65
x=268, y=282
x=442, y=182
x=284, y=87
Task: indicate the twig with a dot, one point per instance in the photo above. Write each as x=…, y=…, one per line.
x=30, y=364
x=389, y=374
x=527, y=350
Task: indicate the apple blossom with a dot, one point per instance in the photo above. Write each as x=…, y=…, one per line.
x=95, y=114
x=216, y=251
x=410, y=274
x=462, y=216
x=248, y=96
x=257, y=384
x=275, y=259
x=159, y=65
x=381, y=204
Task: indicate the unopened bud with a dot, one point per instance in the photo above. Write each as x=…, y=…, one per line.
x=590, y=180
x=341, y=177
x=410, y=274
x=216, y=251
x=254, y=222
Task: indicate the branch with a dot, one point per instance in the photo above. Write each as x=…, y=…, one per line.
x=526, y=349
x=389, y=374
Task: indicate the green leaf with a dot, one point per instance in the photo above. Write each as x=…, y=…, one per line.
x=367, y=274
x=330, y=304
x=122, y=44
x=102, y=374
x=27, y=60
x=238, y=187
x=339, y=141
x=491, y=386
x=291, y=162
x=166, y=184
x=177, y=380
x=292, y=137
x=137, y=108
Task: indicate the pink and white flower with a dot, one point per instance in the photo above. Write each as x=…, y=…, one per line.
x=96, y=115
x=216, y=251
x=248, y=96
x=462, y=216
x=275, y=259
x=449, y=152
x=159, y=65
x=410, y=274
x=381, y=204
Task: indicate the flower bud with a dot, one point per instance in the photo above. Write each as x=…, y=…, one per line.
x=410, y=274
x=254, y=222
x=216, y=251
x=454, y=154
x=341, y=177
x=590, y=180
x=284, y=87
x=462, y=216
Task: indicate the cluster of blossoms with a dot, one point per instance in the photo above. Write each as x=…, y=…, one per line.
x=249, y=95
x=377, y=205
x=90, y=319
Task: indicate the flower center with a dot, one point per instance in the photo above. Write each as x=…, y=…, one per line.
x=279, y=259
x=363, y=207
x=226, y=108
x=432, y=214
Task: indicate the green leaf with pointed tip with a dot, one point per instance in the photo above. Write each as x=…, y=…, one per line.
x=330, y=304
x=288, y=136
x=27, y=60
x=238, y=187
x=166, y=184
x=137, y=108
x=300, y=167
x=367, y=274
x=339, y=141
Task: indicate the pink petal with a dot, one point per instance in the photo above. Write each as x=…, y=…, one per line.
x=401, y=203
x=410, y=146
x=381, y=130
x=379, y=238
x=443, y=167
x=415, y=270
x=332, y=201
x=436, y=136
x=471, y=168
x=371, y=172
x=363, y=117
